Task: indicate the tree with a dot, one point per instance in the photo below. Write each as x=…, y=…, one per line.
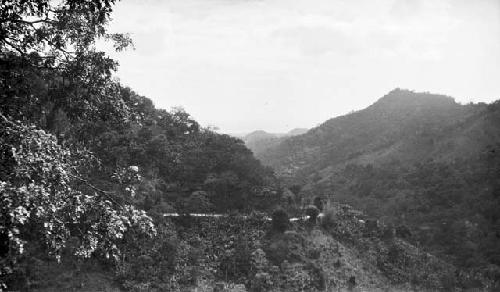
x=51, y=68
x=318, y=202
x=45, y=201
x=56, y=31
x=197, y=202
x=280, y=220
x=312, y=211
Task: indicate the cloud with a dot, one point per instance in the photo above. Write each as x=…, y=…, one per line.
x=309, y=60
x=317, y=40
x=405, y=10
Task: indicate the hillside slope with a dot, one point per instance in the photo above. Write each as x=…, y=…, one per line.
x=239, y=253
x=259, y=141
x=414, y=159
x=402, y=125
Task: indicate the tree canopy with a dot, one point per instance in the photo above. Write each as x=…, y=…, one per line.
x=86, y=160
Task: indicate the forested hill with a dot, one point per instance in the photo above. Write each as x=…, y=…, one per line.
x=87, y=166
x=259, y=141
x=417, y=159
x=403, y=125
x=185, y=168
x=88, y=169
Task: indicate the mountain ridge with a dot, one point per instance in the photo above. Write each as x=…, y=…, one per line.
x=417, y=159
x=259, y=141
x=402, y=121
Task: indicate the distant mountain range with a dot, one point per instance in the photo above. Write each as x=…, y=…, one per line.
x=259, y=141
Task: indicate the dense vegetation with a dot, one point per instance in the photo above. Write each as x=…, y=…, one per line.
x=414, y=159
x=88, y=167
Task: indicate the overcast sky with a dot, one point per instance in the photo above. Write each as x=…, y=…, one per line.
x=243, y=65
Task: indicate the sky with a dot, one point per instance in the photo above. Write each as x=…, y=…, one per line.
x=275, y=65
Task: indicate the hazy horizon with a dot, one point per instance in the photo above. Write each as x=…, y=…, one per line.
x=275, y=65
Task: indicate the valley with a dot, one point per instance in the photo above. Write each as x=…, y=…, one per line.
x=103, y=189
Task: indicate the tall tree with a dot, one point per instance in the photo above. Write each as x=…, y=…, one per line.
x=53, y=80
x=51, y=69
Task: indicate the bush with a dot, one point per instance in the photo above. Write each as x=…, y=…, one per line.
x=388, y=232
x=328, y=221
x=313, y=212
x=151, y=259
x=314, y=253
x=277, y=251
x=261, y=282
x=403, y=231
x=236, y=264
x=318, y=275
x=280, y=220
x=318, y=202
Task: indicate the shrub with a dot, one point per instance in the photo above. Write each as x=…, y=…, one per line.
x=151, y=259
x=280, y=220
x=236, y=263
x=318, y=202
x=277, y=251
x=261, y=282
x=328, y=221
x=318, y=275
x=259, y=260
x=313, y=212
x=403, y=231
x=314, y=253
x=388, y=233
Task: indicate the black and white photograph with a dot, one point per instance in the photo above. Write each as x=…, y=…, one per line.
x=249, y=145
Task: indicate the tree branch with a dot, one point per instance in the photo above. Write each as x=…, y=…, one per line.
x=50, y=21
x=23, y=53
x=107, y=194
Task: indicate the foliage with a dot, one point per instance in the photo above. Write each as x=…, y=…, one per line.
x=46, y=25
x=312, y=211
x=42, y=200
x=447, y=207
x=236, y=262
x=197, y=202
x=318, y=202
x=51, y=70
x=71, y=183
x=329, y=220
x=417, y=159
x=280, y=220
x=183, y=165
x=152, y=262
